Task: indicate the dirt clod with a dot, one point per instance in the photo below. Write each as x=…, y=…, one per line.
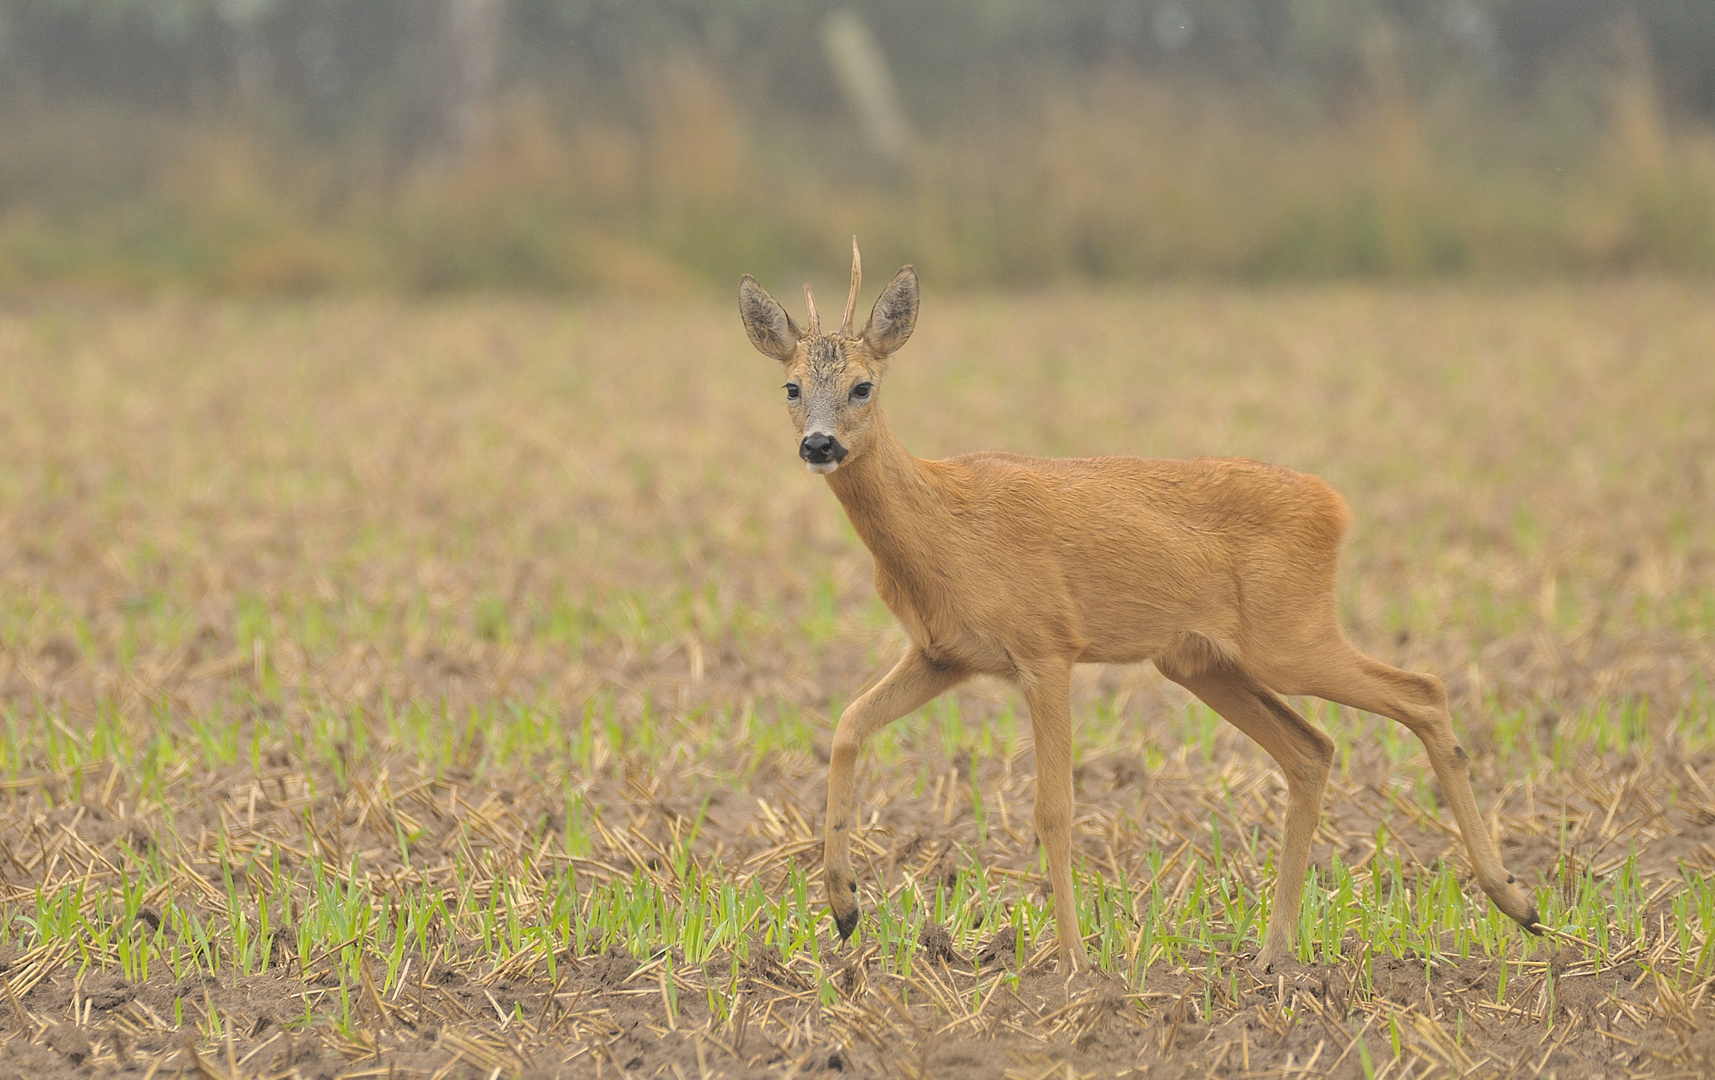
x=996, y=949
x=937, y=944
x=69, y=1040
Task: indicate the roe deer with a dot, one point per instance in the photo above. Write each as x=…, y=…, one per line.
x=1219, y=570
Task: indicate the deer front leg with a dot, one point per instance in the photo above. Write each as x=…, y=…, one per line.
x=913, y=681
x=1049, y=696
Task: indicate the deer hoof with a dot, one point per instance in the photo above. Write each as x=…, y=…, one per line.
x=1515, y=903
x=1266, y=960
x=1532, y=922
x=847, y=921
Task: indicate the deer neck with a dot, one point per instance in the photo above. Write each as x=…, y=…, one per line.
x=894, y=501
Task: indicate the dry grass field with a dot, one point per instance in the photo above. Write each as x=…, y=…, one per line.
x=443, y=690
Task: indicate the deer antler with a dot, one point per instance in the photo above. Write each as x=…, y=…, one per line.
x=851, y=300
x=815, y=319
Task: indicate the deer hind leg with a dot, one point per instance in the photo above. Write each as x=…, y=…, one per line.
x=912, y=682
x=1303, y=753
x=1420, y=703
x=1049, y=696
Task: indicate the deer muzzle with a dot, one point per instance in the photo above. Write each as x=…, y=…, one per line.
x=821, y=449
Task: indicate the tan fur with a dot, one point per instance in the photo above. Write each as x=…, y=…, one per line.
x=1220, y=571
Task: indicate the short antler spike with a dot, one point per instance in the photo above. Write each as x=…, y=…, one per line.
x=810, y=302
x=851, y=300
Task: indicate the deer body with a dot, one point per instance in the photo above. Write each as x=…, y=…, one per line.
x=1220, y=571
x=994, y=559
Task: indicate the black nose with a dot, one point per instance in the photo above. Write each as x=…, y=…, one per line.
x=819, y=449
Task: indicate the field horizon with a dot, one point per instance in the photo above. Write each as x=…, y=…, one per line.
x=444, y=688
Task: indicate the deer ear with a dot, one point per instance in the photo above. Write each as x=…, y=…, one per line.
x=894, y=315
x=771, y=330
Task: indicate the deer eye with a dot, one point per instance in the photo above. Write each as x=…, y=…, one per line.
x=791, y=391
x=860, y=392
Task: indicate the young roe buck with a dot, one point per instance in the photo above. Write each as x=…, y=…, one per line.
x=1219, y=570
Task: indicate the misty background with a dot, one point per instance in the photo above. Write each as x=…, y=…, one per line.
x=294, y=146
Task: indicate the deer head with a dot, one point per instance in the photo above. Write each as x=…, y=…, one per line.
x=832, y=380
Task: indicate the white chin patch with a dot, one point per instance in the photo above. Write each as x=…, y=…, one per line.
x=823, y=467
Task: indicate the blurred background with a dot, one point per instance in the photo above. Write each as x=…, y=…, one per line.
x=658, y=146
